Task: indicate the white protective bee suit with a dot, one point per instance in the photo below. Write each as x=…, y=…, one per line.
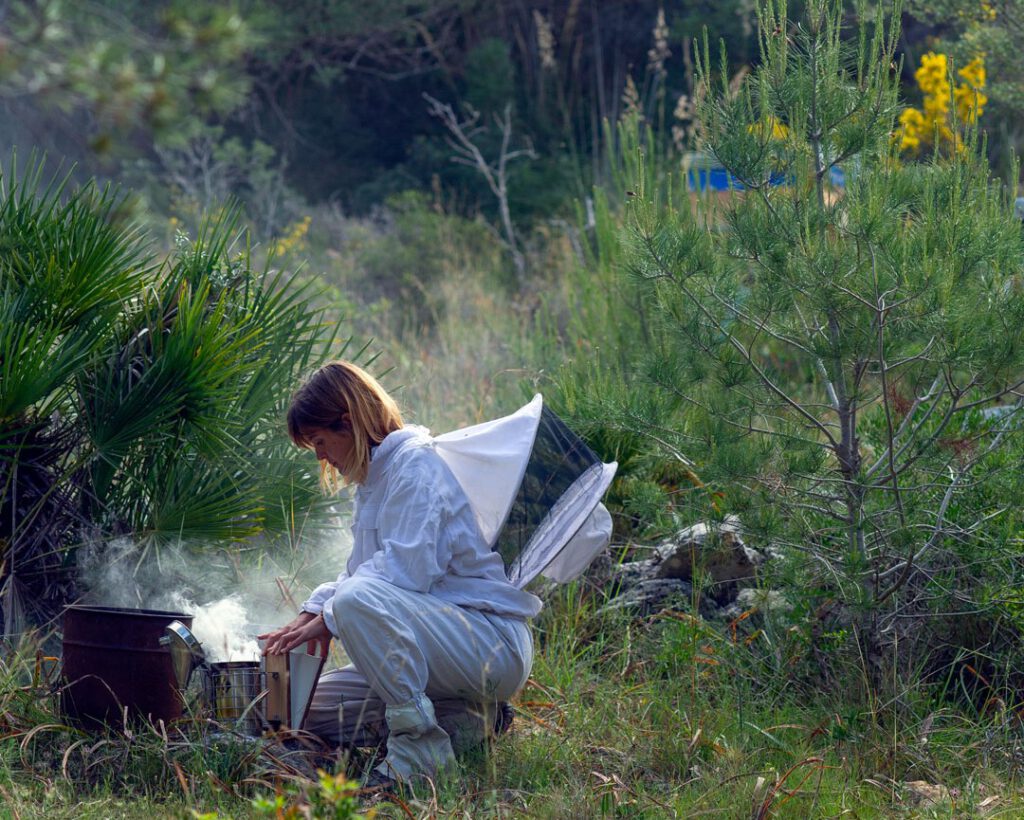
x=425, y=609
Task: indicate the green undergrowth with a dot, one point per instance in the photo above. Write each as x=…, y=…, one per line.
x=664, y=716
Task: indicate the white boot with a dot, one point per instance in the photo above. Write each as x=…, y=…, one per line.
x=416, y=744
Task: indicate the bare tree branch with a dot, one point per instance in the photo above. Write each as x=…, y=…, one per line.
x=463, y=133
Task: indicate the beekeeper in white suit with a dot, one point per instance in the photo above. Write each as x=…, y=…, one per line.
x=425, y=609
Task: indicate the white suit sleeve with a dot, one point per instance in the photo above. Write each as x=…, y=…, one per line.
x=413, y=552
x=321, y=596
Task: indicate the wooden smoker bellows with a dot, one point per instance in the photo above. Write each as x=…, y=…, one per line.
x=290, y=682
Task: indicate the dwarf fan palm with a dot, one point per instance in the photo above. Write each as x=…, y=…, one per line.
x=136, y=398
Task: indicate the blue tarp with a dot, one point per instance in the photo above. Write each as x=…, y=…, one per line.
x=716, y=178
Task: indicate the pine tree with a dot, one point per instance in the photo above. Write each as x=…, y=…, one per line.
x=851, y=356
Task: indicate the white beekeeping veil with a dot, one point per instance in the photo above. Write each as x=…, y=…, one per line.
x=536, y=488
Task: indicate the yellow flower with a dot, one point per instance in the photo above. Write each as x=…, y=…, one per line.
x=932, y=73
x=293, y=238
x=912, y=120
x=909, y=142
x=933, y=123
x=771, y=127
x=912, y=124
x=970, y=104
x=936, y=105
x=974, y=73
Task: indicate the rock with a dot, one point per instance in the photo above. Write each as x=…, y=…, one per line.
x=763, y=600
x=645, y=597
x=666, y=580
x=652, y=595
x=767, y=600
x=717, y=550
x=708, y=609
x=628, y=575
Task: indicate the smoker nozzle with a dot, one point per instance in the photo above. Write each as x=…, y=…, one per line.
x=186, y=651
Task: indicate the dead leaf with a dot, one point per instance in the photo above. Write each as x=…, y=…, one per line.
x=925, y=794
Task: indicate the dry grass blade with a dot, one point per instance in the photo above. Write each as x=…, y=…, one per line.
x=286, y=593
x=545, y=724
x=257, y=781
x=31, y=733
x=390, y=797
x=66, y=757
x=284, y=769
x=182, y=781
x=766, y=806
x=220, y=785
x=614, y=785
x=694, y=740
x=434, y=805
x=160, y=730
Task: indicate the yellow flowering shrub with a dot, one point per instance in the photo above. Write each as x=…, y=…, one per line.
x=292, y=239
x=987, y=11
x=946, y=109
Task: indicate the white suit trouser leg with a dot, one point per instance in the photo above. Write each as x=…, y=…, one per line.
x=347, y=712
x=412, y=649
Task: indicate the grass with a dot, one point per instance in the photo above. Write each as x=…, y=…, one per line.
x=667, y=716
x=659, y=732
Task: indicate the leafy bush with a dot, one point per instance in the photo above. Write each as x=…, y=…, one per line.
x=417, y=246
x=332, y=797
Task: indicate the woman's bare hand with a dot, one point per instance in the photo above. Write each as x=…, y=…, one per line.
x=307, y=627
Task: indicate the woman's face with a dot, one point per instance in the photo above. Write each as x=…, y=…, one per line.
x=333, y=446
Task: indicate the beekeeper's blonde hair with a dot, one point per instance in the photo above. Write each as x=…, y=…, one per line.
x=332, y=391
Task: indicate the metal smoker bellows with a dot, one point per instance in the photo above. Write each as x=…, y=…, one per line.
x=274, y=692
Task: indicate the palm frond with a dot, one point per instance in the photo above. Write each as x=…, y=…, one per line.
x=168, y=383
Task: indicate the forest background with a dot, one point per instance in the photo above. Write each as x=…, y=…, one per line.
x=479, y=196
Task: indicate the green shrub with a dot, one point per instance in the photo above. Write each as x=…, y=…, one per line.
x=818, y=360
x=418, y=245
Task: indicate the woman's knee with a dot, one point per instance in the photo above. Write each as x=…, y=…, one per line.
x=359, y=600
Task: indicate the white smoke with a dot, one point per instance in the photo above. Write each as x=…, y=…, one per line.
x=223, y=628
x=231, y=597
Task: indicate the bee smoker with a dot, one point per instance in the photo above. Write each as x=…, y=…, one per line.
x=274, y=692
x=228, y=692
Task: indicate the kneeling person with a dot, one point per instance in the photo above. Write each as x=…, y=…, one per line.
x=436, y=633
